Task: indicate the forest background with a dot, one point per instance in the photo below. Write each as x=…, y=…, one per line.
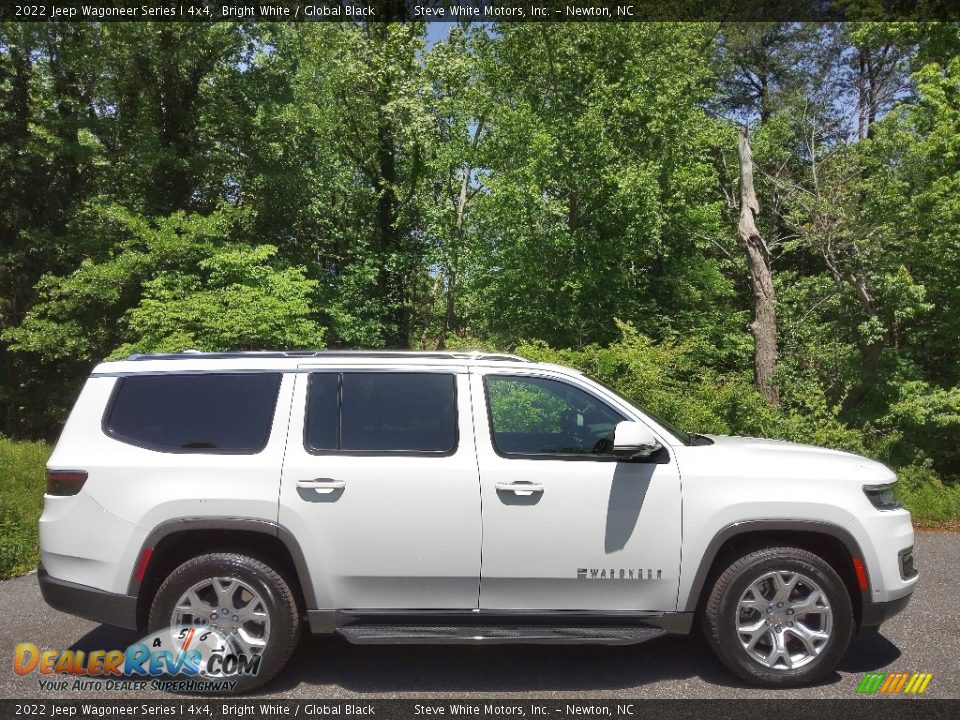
x=748, y=229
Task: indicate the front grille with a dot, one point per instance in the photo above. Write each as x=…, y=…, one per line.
x=907, y=570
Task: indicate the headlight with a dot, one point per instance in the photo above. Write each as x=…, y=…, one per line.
x=883, y=497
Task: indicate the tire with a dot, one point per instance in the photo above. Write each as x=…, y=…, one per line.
x=762, y=641
x=272, y=628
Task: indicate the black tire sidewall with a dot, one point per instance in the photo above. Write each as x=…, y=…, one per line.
x=729, y=642
x=283, y=624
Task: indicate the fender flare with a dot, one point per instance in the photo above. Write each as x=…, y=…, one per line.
x=256, y=525
x=750, y=526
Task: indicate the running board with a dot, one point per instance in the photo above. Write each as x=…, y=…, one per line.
x=496, y=634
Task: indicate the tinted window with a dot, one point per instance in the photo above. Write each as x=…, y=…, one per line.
x=195, y=413
x=538, y=416
x=323, y=414
x=383, y=412
x=398, y=411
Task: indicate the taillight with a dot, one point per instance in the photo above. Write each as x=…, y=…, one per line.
x=65, y=482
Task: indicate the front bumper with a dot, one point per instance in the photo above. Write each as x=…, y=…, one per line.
x=876, y=613
x=88, y=603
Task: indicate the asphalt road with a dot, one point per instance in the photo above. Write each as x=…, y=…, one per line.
x=924, y=638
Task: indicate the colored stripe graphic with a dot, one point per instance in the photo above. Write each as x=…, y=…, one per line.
x=890, y=681
x=894, y=683
x=871, y=683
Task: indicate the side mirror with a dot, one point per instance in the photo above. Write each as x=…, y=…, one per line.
x=634, y=441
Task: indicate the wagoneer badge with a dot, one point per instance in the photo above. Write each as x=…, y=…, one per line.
x=617, y=574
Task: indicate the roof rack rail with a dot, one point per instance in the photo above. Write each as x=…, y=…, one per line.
x=425, y=354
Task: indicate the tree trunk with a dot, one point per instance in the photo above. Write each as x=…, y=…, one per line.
x=450, y=321
x=861, y=96
x=871, y=353
x=449, y=314
x=764, y=325
x=390, y=280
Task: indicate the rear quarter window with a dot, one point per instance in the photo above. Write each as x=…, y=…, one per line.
x=198, y=413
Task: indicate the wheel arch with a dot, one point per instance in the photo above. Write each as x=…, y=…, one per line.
x=831, y=542
x=175, y=541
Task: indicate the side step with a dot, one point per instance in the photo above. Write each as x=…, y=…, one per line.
x=497, y=634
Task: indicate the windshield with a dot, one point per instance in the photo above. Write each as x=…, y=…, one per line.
x=682, y=436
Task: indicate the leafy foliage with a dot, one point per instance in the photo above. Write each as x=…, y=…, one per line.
x=170, y=284
x=21, y=501
x=527, y=186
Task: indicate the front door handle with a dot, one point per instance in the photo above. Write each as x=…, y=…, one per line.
x=520, y=488
x=321, y=485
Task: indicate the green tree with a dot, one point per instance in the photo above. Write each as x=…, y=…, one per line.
x=598, y=182
x=169, y=284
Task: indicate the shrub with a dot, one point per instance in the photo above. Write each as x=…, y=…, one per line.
x=22, y=483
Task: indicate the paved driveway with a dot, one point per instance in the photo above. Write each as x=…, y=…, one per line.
x=924, y=638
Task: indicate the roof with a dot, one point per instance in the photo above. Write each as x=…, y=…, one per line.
x=287, y=360
x=352, y=354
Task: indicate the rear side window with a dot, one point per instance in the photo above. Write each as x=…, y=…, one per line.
x=199, y=413
x=382, y=412
x=323, y=412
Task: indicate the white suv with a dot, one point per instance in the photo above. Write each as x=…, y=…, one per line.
x=454, y=497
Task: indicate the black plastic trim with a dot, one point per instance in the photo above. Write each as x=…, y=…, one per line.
x=87, y=602
x=876, y=613
x=749, y=526
x=913, y=568
x=178, y=525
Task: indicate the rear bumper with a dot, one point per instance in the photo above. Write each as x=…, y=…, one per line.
x=876, y=613
x=88, y=603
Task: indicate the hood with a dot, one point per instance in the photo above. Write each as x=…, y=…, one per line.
x=804, y=459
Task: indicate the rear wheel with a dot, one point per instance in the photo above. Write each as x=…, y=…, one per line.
x=240, y=599
x=779, y=617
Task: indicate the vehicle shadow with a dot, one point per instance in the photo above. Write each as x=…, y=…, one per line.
x=106, y=637
x=400, y=669
x=869, y=652
x=331, y=662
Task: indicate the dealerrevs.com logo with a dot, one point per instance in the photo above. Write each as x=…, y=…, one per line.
x=185, y=659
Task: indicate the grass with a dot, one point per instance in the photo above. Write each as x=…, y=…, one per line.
x=22, y=482
x=932, y=503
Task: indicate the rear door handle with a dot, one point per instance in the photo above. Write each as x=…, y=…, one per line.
x=322, y=485
x=520, y=488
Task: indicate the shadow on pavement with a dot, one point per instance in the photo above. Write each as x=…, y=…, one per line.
x=391, y=669
x=106, y=637
x=394, y=669
x=456, y=669
x=869, y=652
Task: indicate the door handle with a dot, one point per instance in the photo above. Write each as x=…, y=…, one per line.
x=519, y=488
x=322, y=485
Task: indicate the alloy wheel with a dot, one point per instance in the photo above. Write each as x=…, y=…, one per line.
x=229, y=606
x=784, y=620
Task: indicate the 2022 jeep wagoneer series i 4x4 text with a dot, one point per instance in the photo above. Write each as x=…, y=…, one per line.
x=454, y=497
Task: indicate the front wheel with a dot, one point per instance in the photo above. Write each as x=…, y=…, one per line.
x=239, y=599
x=779, y=617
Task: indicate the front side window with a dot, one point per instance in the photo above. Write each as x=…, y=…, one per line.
x=197, y=413
x=382, y=412
x=540, y=416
